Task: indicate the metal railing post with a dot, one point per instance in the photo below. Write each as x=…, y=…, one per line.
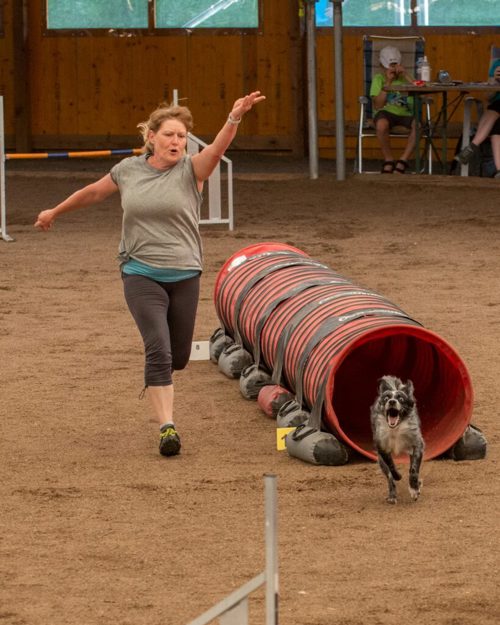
x=3, y=206
x=272, y=580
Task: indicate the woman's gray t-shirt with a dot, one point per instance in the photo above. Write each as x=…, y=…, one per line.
x=161, y=212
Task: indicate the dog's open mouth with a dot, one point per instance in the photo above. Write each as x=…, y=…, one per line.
x=392, y=417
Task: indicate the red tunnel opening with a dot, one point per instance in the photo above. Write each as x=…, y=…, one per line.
x=443, y=389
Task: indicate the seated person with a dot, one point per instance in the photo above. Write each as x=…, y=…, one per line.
x=392, y=109
x=495, y=146
x=489, y=124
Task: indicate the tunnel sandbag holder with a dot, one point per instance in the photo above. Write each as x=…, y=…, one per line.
x=233, y=360
x=316, y=447
x=271, y=399
x=252, y=380
x=309, y=443
x=353, y=357
x=470, y=446
x=217, y=342
x=291, y=414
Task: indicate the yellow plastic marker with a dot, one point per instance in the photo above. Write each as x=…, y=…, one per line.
x=280, y=437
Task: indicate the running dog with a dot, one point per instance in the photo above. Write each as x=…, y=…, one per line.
x=396, y=430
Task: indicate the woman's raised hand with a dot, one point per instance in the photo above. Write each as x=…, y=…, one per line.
x=244, y=104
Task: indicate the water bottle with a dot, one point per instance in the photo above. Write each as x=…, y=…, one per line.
x=425, y=70
x=420, y=60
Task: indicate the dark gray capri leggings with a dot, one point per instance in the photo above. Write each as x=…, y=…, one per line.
x=165, y=314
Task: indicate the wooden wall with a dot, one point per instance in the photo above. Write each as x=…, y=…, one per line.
x=89, y=92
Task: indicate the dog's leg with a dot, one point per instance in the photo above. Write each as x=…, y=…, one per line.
x=387, y=458
x=389, y=470
x=414, y=477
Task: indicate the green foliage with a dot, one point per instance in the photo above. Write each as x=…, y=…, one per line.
x=82, y=14
x=207, y=14
x=463, y=12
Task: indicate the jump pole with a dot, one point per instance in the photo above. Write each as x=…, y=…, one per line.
x=233, y=609
x=272, y=577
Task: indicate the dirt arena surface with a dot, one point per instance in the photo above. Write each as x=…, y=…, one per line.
x=96, y=527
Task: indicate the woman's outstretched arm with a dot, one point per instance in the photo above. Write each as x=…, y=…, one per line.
x=88, y=195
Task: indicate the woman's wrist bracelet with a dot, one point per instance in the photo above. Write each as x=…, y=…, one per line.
x=232, y=120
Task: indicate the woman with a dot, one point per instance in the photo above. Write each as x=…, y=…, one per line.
x=160, y=251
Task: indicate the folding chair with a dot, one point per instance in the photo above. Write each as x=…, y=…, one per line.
x=412, y=49
x=471, y=102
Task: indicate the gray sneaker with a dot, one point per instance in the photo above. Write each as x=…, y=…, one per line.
x=497, y=174
x=170, y=442
x=467, y=154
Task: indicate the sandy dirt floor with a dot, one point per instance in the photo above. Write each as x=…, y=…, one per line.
x=96, y=527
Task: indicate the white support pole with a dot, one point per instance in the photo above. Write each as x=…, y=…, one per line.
x=194, y=144
x=229, y=602
x=3, y=207
x=272, y=579
x=230, y=194
x=214, y=194
x=238, y=615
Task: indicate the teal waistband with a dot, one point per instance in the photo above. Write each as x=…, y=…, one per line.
x=135, y=267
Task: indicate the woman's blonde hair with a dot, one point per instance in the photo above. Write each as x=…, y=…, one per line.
x=158, y=116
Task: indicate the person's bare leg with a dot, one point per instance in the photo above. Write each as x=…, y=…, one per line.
x=162, y=402
x=382, y=129
x=486, y=123
x=410, y=144
x=495, y=148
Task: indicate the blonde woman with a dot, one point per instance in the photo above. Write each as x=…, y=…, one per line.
x=160, y=251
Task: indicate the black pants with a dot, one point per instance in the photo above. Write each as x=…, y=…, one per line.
x=165, y=314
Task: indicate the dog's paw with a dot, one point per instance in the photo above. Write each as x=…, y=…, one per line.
x=392, y=500
x=414, y=493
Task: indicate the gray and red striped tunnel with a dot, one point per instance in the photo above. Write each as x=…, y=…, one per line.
x=332, y=340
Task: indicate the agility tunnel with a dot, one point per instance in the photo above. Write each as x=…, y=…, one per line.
x=329, y=341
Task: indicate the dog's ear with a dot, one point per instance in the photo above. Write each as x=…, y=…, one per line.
x=410, y=389
x=384, y=384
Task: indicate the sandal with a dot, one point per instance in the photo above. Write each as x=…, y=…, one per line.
x=497, y=174
x=401, y=166
x=387, y=167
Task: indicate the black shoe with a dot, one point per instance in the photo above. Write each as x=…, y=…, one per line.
x=466, y=155
x=170, y=442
